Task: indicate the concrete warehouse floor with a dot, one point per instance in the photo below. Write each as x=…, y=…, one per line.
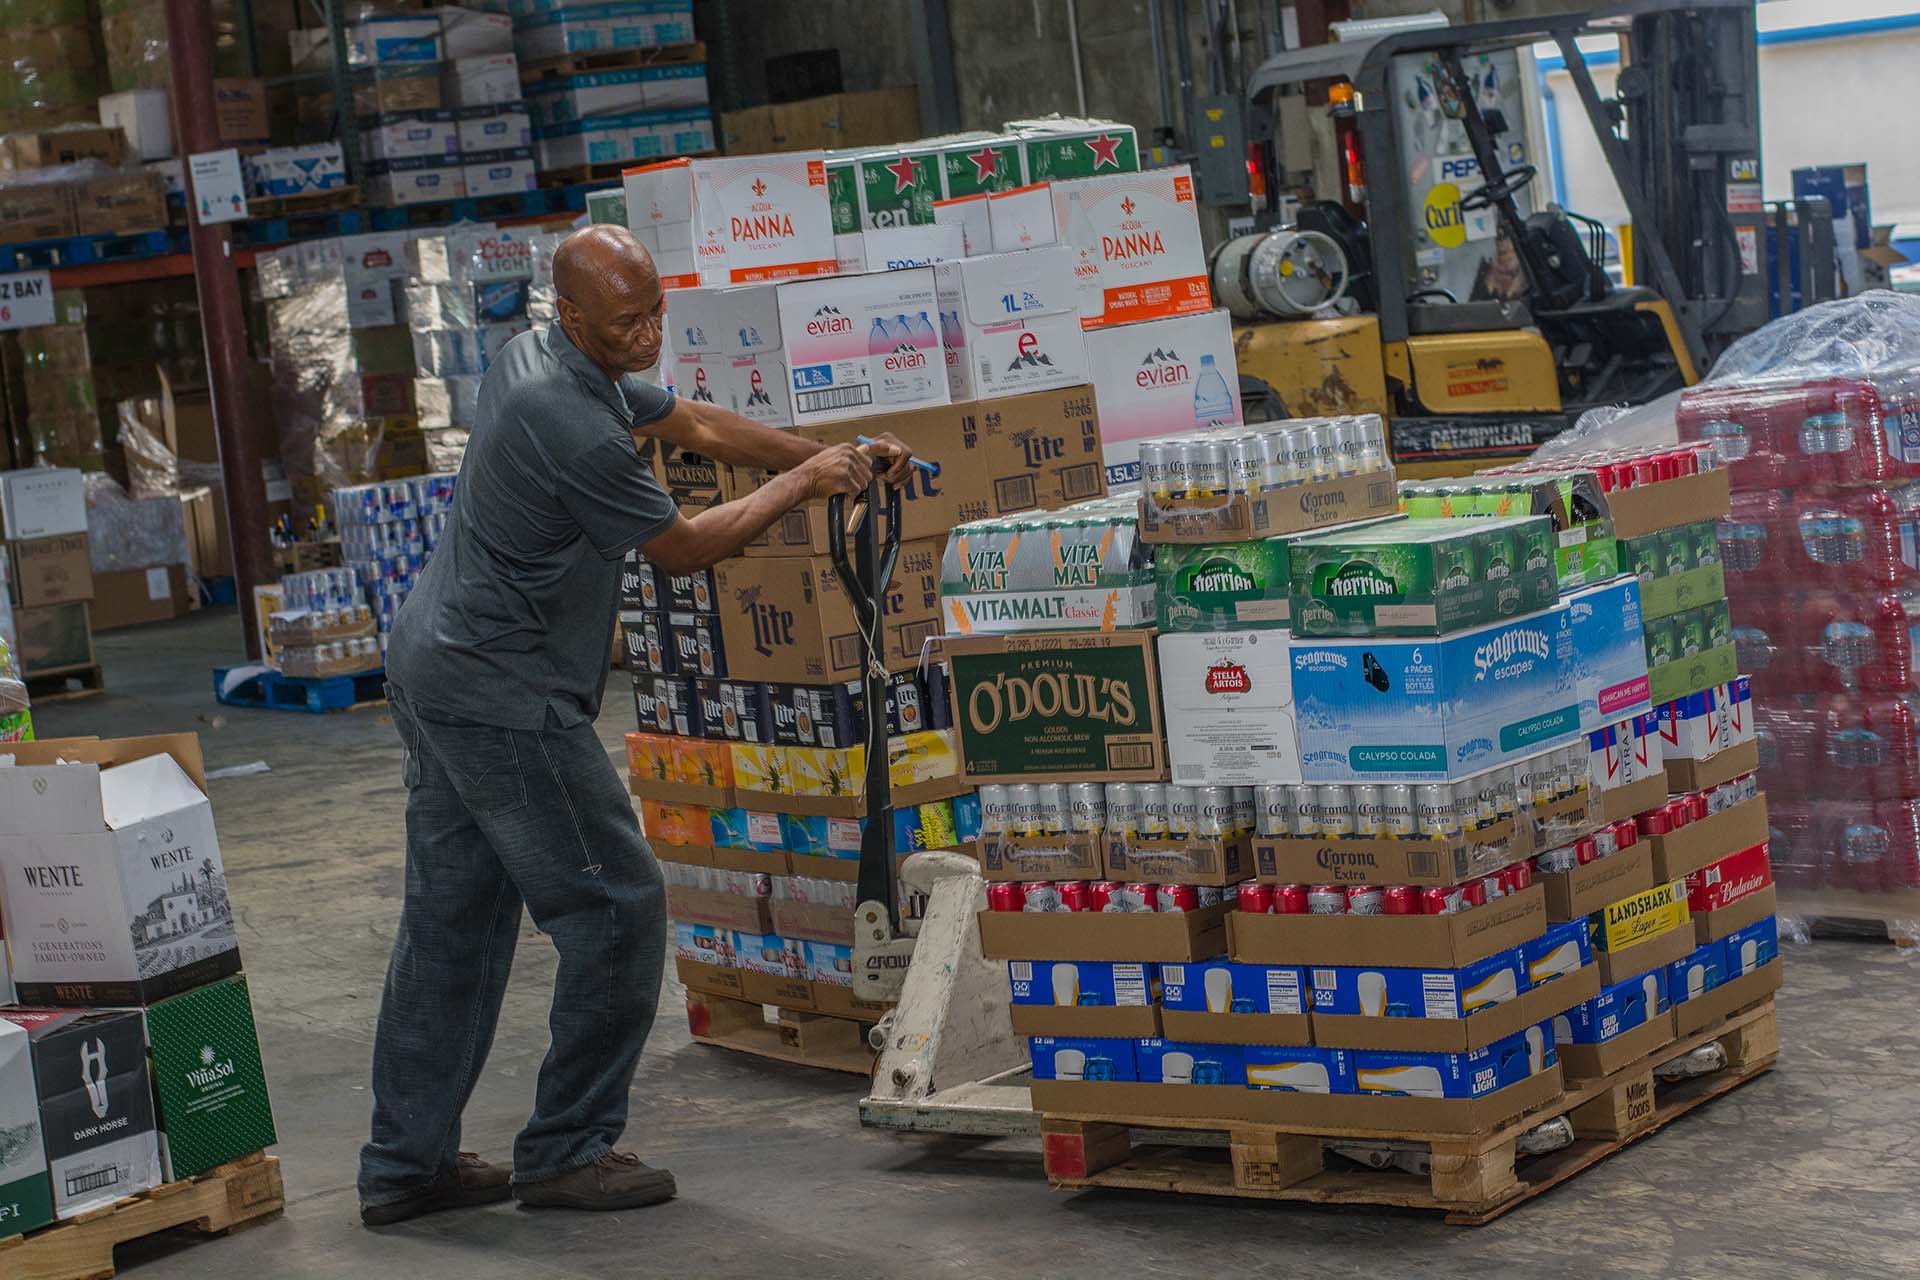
x=1809, y=1171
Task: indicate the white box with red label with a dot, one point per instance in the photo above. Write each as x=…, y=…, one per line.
x=861, y=345
x=1158, y=378
x=728, y=351
x=1227, y=699
x=1022, y=218
x=745, y=219
x=1010, y=323
x=1138, y=240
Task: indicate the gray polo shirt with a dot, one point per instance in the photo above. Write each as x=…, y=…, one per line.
x=513, y=616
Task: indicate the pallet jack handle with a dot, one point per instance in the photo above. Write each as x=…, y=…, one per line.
x=866, y=576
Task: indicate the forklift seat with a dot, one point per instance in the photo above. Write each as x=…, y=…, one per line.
x=1430, y=318
x=1624, y=298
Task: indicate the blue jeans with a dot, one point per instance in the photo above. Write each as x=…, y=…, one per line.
x=497, y=818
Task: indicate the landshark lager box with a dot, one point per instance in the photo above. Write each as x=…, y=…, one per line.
x=1421, y=577
x=208, y=1078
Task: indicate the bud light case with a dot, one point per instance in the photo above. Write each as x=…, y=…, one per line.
x=1753, y=947
x=1563, y=949
x=1298, y=1069
x=1407, y=710
x=1161, y=1061
x=1474, y=1074
x=1695, y=974
x=1096, y=984
x=1092, y=1059
x=1419, y=993
x=1225, y=986
x=1617, y=1010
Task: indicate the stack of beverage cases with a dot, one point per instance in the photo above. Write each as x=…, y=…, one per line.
x=1818, y=418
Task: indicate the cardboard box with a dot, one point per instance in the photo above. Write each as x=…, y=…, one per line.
x=1684, y=775
x=1071, y=856
x=722, y=910
x=1620, y=803
x=492, y=128
x=1099, y=935
x=1422, y=577
x=1591, y=1061
x=1678, y=854
x=1695, y=974
x=488, y=80
x=1301, y=508
x=711, y=979
x=1227, y=698
x=1078, y=1058
x=412, y=136
x=1732, y=995
x=1190, y=1065
x=1417, y=710
x=26, y=1197
x=1036, y=452
x=786, y=993
x=1724, y=922
x=847, y=356
x=1022, y=218
x=1221, y=1001
x=1469, y=1075
x=791, y=621
x=473, y=32
x=736, y=220
x=54, y=638
x=1721, y=884
x=208, y=1079
x=395, y=183
x=1448, y=942
x=1654, y=953
x=240, y=110
x=294, y=171
x=1065, y=706
x=42, y=502
x=728, y=350
x=144, y=116
x=1158, y=376
x=497, y=173
x=1136, y=239
x=1010, y=323
x=1646, y=509
x=36, y=211
x=1752, y=946
x=96, y=1105
x=1198, y=860
x=116, y=893
x=44, y=148
x=1083, y=998
x=1610, y=658
x=1479, y=1029
x=1577, y=894
x=129, y=597
x=1312, y=860
x=1684, y=675
x=47, y=571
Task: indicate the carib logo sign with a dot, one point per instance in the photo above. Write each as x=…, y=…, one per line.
x=1446, y=222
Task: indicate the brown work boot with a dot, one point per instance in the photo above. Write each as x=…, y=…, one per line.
x=471, y=1181
x=617, y=1180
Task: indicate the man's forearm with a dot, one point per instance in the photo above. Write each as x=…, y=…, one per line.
x=706, y=538
x=725, y=436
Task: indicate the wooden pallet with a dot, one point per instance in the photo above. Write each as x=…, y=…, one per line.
x=313, y=694
x=809, y=1039
x=1896, y=914
x=259, y=207
x=1475, y=1178
x=217, y=1202
x=63, y=684
x=580, y=64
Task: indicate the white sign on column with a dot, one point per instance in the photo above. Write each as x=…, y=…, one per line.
x=26, y=300
x=219, y=193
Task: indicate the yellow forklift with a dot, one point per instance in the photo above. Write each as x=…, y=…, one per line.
x=1405, y=266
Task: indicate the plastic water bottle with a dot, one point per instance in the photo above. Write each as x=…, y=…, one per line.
x=923, y=336
x=879, y=338
x=1212, y=402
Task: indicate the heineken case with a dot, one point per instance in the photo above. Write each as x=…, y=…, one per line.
x=1061, y=147
x=26, y=1197
x=898, y=188
x=208, y=1078
x=1082, y=568
x=981, y=165
x=96, y=1105
x=1421, y=577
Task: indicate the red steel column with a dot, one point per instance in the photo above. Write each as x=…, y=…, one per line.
x=223, y=323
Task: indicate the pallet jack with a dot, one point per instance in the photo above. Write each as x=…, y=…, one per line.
x=949, y=1060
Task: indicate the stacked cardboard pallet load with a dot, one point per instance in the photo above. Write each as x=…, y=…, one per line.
x=611, y=84
x=1419, y=873
x=16, y=710
x=43, y=517
x=54, y=53
x=75, y=180
x=128, y=1055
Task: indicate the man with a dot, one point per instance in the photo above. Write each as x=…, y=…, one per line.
x=495, y=671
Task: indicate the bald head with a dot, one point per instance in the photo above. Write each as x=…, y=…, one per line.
x=609, y=298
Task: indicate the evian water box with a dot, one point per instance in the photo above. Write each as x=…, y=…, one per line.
x=1010, y=323
x=861, y=345
x=737, y=220
x=727, y=350
x=1160, y=377
x=114, y=889
x=1137, y=237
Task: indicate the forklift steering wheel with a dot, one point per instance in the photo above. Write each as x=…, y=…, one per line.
x=1503, y=188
